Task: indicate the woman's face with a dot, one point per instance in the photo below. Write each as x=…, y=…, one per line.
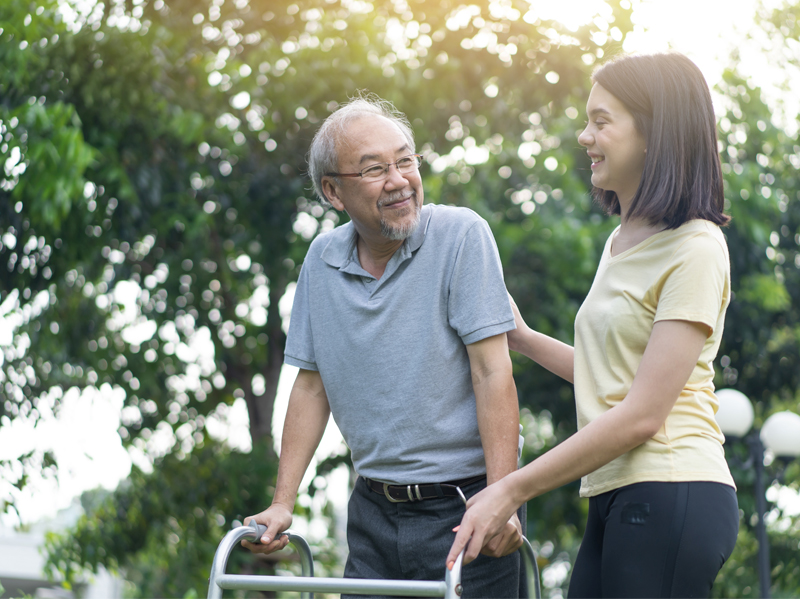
x=613, y=143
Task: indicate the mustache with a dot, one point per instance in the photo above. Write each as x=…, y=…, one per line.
x=394, y=197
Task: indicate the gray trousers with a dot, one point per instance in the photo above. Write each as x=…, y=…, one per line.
x=411, y=540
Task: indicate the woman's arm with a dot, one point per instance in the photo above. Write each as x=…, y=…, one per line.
x=669, y=359
x=557, y=357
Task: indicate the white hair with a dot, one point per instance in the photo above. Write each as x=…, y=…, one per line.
x=323, y=157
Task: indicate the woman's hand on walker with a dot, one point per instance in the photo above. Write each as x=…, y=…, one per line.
x=507, y=541
x=488, y=514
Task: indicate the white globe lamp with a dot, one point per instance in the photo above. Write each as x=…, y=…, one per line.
x=735, y=414
x=781, y=434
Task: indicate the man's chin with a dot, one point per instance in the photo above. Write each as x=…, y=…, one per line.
x=401, y=230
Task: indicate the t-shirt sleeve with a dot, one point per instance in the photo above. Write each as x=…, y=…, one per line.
x=478, y=305
x=299, y=351
x=695, y=287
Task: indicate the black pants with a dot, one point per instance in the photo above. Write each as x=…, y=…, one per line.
x=656, y=540
x=411, y=540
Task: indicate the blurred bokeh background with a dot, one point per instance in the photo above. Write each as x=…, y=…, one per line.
x=155, y=212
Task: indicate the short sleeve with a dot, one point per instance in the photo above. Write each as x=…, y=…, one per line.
x=299, y=351
x=478, y=305
x=696, y=286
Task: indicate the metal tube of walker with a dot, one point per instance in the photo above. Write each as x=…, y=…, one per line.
x=307, y=584
x=253, y=531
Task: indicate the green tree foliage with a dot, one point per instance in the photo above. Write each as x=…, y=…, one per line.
x=160, y=528
x=154, y=202
x=185, y=210
x=761, y=345
x=147, y=257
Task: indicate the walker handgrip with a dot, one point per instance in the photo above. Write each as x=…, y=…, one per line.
x=253, y=531
x=258, y=530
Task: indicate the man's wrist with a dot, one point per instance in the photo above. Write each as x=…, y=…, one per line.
x=497, y=476
x=285, y=504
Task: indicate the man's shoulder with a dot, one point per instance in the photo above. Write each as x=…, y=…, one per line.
x=331, y=246
x=319, y=243
x=452, y=220
x=449, y=213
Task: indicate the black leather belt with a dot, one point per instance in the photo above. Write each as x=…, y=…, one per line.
x=416, y=492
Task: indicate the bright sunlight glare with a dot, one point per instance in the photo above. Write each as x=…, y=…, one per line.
x=571, y=13
x=709, y=32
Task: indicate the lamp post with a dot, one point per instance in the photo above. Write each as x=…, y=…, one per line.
x=781, y=435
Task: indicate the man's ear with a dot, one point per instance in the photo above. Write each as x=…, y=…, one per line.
x=331, y=192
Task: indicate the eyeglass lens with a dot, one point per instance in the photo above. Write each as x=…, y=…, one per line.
x=407, y=164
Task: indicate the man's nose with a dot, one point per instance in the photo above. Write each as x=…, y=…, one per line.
x=395, y=178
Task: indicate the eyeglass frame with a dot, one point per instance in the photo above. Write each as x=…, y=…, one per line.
x=419, y=158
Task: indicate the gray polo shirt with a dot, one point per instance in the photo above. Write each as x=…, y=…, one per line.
x=391, y=352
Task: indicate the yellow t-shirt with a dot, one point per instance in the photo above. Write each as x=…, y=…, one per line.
x=676, y=274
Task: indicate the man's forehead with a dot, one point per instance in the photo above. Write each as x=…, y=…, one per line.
x=369, y=137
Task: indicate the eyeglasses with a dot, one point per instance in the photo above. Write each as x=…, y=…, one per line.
x=378, y=171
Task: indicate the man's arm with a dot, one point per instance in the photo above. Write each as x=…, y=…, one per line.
x=498, y=423
x=305, y=423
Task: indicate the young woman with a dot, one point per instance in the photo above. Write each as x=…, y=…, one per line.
x=663, y=515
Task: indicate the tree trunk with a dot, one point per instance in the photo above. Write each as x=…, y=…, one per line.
x=260, y=408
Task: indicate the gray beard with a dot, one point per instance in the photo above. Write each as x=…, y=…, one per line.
x=401, y=232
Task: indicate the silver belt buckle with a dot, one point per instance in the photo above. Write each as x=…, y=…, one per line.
x=388, y=497
x=411, y=492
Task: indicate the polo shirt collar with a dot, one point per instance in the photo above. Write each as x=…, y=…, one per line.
x=415, y=241
x=340, y=246
x=340, y=251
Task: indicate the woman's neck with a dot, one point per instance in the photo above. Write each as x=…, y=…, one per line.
x=632, y=232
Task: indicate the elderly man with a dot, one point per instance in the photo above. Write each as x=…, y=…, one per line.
x=398, y=328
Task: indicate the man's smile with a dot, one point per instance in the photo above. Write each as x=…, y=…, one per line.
x=397, y=202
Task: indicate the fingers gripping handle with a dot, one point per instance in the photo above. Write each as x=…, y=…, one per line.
x=253, y=531
x=258, y=531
